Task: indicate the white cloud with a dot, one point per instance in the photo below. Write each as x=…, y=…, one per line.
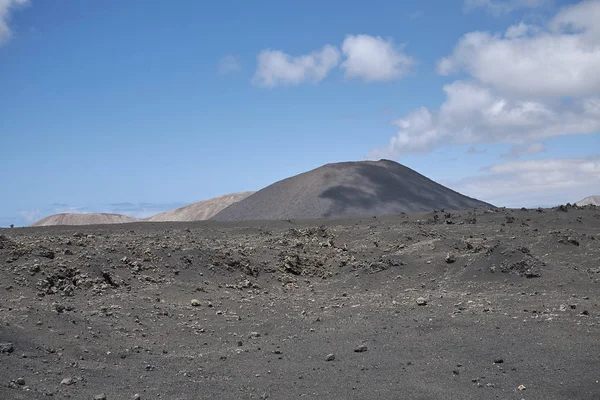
x=473, y=113
x=374, y=59
x=530, y=61
x=520, y=30
x=534, y=183
x=500, y=7
x=528, y=84
x=581, y=18
x=366, y=57
x=6, y=7
x=517, y=151
x=278, y=68
x=229, y=64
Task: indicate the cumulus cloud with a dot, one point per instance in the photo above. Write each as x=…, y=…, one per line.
x=6, y=7
x=532, y=183
x=527, y=84
x=561, y=60
x=278, y=68
x=374, y=59
x=500, y=7
x=366, y=57
x=517, y=151
x=473, y=113
x=229, y=64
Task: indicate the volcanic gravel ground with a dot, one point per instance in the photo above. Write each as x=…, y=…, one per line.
x=472, y=305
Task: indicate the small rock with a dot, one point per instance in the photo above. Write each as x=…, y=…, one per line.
x=136, y=396
x=254, y=335
x=20, y=381
x=330, y=357
x=6, y=348
x=67, y=381
x=195, y=302
x=521, y=387
x=450, y=258
x=421, y=301
x=361, y=349
x=100, y=396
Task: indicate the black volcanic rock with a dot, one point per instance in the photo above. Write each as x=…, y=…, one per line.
x=348, y=189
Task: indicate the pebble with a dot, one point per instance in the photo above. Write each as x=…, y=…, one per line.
x=330, y=357
x=361, y=349
x=67, y=381
x=421, y=301
x=195, y=302
x=100, y=396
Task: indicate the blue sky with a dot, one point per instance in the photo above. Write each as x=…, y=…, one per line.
x=141, y=106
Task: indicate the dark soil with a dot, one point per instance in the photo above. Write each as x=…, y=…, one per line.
x=499, y=304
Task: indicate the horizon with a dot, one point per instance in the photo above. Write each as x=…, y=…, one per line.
x=142, y=107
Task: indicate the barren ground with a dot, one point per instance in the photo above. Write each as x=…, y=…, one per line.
x=256, y=310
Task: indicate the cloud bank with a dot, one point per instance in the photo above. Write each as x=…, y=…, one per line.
x=523, y=85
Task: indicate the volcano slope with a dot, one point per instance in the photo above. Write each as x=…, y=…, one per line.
x=348, y=189
x=201, y=210
x=467, y=305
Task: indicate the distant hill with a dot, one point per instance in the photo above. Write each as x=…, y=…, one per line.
x=202, y=210
x=590, y=200
x=348, y=189
x=84, y=219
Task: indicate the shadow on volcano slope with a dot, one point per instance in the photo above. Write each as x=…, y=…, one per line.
x=380, y=186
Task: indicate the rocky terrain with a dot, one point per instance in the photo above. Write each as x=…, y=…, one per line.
x=486, y=304
x=348, y=189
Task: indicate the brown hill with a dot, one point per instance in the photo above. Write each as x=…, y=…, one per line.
x=348, y=189
x=202, y=210
x=84, y=219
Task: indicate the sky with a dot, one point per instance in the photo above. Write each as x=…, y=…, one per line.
x=141, y=106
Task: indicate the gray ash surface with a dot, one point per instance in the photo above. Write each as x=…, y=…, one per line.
x=441, y=305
